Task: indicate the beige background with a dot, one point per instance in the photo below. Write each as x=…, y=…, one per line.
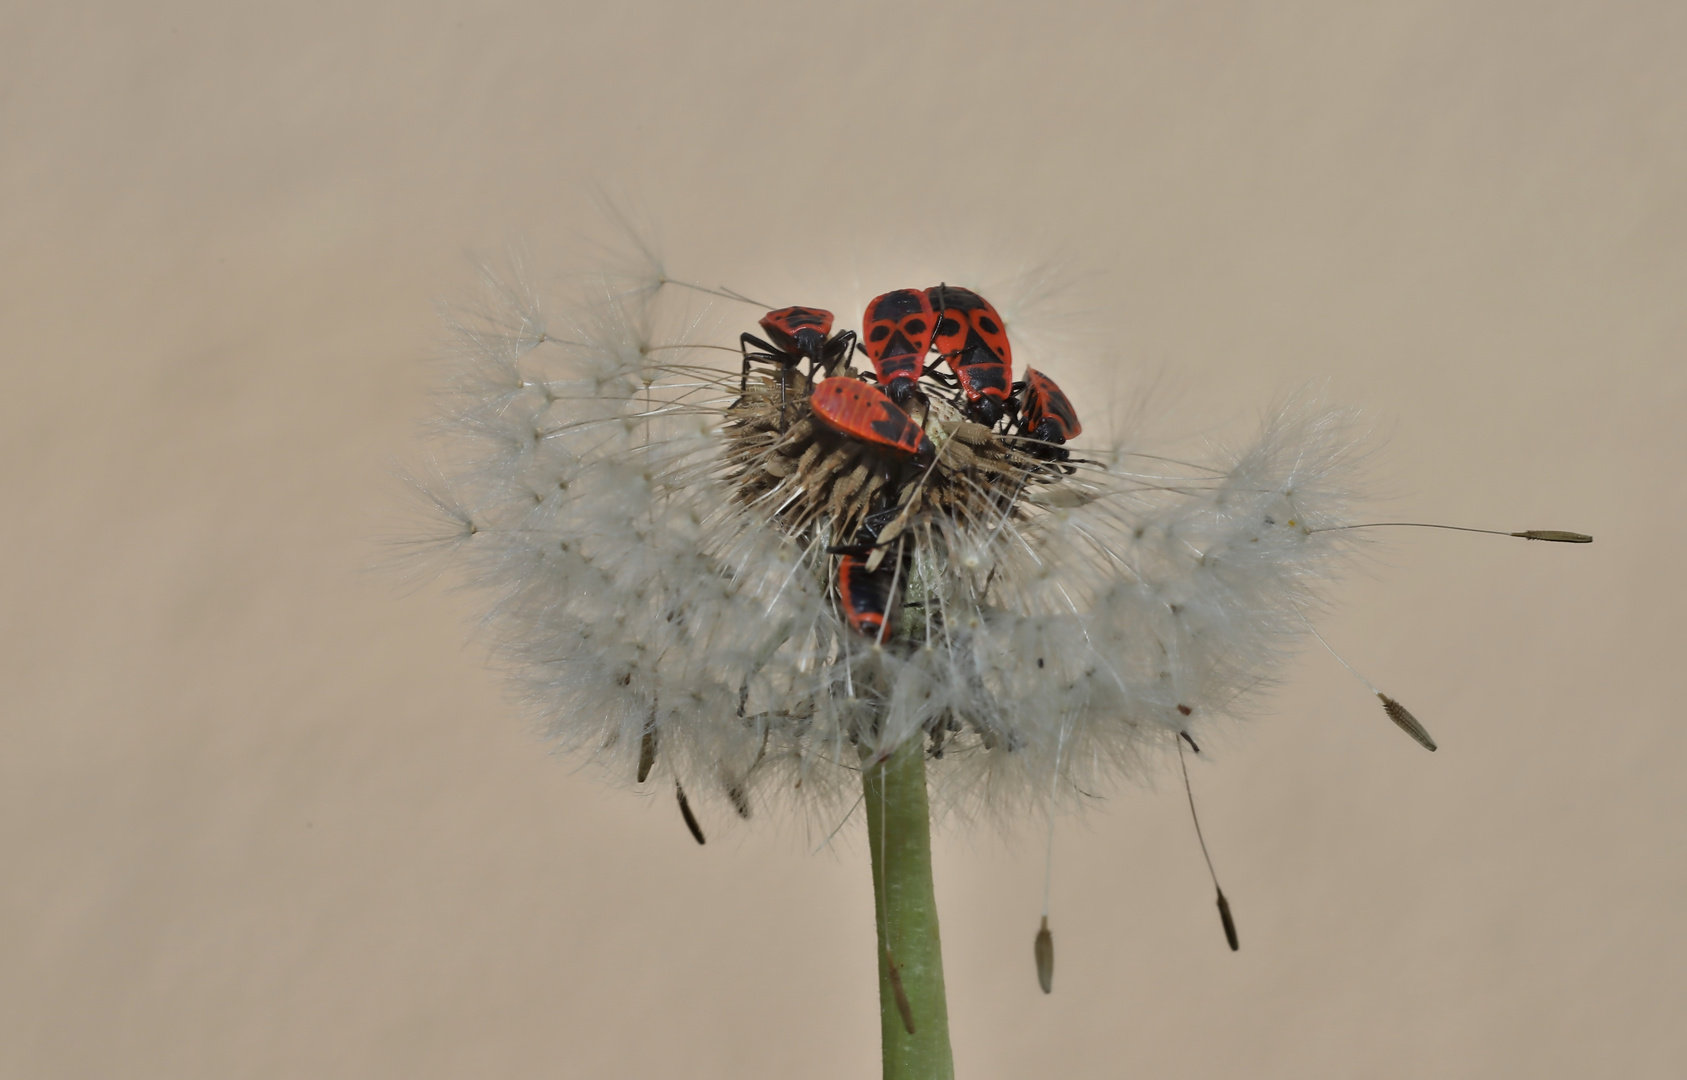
x=264, y=814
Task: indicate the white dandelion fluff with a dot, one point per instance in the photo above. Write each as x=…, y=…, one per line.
x=658, y=540
x=780, y=579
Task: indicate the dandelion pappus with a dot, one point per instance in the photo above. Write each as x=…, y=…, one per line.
x=897, y=330
x=863, y=412
x=1045, y=414
x=970, y=336
x=1047, y=628
x=798, y=333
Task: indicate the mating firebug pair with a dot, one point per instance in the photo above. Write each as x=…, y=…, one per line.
x=902, y=325
x=967, y=332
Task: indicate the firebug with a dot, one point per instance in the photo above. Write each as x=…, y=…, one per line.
x=798, y=334
x=865, y=596
x=1046, y=414
x=897, y=329
x=863, y=412
x=970, y=336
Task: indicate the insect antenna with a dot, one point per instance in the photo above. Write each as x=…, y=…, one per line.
x=1223, y=903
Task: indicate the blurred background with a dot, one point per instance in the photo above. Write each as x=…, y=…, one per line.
x=264, y=813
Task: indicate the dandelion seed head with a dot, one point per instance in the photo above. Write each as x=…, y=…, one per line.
x=656, y=552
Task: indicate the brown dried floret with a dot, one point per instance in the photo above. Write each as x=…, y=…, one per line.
x=815, y=478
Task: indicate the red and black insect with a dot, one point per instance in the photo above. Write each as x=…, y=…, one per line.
x=897, y=331
x=863, y=412
x=866, y=597
x=971, y=338
x=1046, y=415
x=798, y=334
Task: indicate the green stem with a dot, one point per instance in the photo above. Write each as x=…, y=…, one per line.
x=899, y=832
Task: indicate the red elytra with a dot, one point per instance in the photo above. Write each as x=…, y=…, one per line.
x=865, y=597
x=1047, y=413
x=862, y=411
x=896, y=332
x=970, y=336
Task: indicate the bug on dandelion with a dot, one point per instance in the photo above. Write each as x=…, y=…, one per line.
x=798, y=333
x=1045, y=415
x=865, y=596
x=869, y=592
x=782, y=592
x=897, y=330
x=971, y=337
x=863, y=412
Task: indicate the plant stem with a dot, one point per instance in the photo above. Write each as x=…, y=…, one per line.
x=899, y=833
